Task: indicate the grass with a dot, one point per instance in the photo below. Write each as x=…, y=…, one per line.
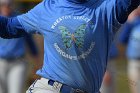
x=122, y=79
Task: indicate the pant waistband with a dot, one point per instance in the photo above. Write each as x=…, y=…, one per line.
x=62, y=87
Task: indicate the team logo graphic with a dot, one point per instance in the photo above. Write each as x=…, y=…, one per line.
x=76, y=38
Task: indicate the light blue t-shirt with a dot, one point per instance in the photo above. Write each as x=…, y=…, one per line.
x=15, y=48
x=131, y=36
x=12, y=48
x=133, y=49
x=77, y=38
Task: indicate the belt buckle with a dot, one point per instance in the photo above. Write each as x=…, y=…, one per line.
x=79, y=91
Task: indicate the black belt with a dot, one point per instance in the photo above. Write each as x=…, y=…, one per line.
x=65, y=88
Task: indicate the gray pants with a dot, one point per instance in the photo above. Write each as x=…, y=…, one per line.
x=12, y=75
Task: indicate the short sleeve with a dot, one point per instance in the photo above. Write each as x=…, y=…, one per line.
x=30, y=20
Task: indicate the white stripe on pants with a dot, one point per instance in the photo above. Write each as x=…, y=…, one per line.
x=12, y=76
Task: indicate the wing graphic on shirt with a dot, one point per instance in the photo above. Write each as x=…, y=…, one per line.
x=77, y=37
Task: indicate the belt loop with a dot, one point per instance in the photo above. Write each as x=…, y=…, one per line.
x=57, y=86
